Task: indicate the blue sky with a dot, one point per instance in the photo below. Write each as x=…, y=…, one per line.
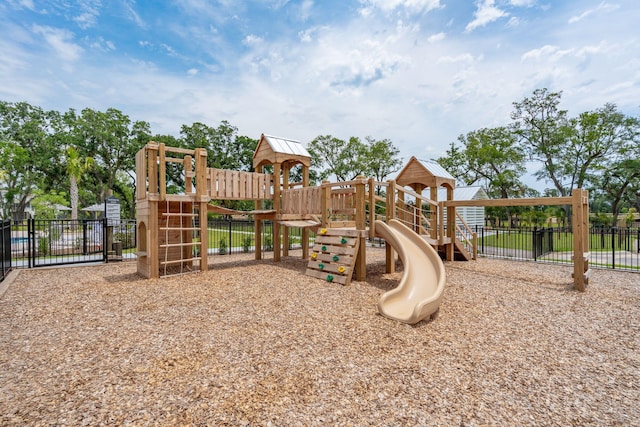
x=419, y=72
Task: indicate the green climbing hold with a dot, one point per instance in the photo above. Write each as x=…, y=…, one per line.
x=320, y=266
x=336, y=258
x=324, y=249
x=329, y=278
x=343, y=240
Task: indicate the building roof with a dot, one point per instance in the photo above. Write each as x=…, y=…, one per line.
x=473, y=192
x=426, y=174
x=273, y=149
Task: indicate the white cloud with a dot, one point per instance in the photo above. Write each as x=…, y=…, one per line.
x=465, y=57
x=251, y=40
x=485, y=13
x=552, y=53
x=89, y=12
x=60, y=41
x=410, y=5
x=27, y=4
x=522, y=3
x=602, y=7
x=436, y=37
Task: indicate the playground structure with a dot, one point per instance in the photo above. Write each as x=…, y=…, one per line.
x=173, y=237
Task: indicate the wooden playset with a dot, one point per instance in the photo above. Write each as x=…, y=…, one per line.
x=172, y=228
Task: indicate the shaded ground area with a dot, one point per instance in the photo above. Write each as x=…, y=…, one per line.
x=253, y=343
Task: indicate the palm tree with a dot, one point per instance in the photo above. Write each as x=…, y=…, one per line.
x=76, y=167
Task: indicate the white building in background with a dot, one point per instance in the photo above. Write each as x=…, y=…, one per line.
x=472, y=215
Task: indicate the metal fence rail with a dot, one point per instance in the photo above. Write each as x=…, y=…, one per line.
x=613, y=247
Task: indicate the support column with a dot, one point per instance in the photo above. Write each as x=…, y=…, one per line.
x=361, y=260
x=390, y=255
x=277, y=246
x=305, y=230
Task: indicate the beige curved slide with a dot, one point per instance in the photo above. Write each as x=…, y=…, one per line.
x=421, y=288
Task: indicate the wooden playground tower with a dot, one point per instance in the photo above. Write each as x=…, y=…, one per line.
x=172, y=228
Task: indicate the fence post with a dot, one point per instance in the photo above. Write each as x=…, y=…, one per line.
x=230, y=245
x=30, y=241
x=534, y=240
x=613, y=248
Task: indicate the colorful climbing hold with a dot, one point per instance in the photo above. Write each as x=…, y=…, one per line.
x=314, y=255
x=336, y=258
x=323, y=231
x=324, y=249
x=343, y=240
x=341, y=269
x=329, y=278
x=321, y=266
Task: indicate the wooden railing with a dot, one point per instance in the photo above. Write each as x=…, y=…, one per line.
x=223, y=184
x=302, y=201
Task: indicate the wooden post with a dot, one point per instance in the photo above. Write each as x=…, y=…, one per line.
x=277, y=247
x=433, y=216
x=451, y=226
x=325, y=203
x=285, y=230
x=580, y=219
x=305, y=230
x=372, y=208
x=258, y=232
x=152, y=163
x=390, y=255
x=162, y=173
x=417, y=212
x=361, y=260
x=204, y=237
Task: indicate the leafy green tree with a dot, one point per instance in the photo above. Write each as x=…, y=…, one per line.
x=544, y=131
x=336, y=157
x=455, y=162
x=111, y=139
x=225, y=148
x=77, y=166
x=26, y=153
x=382, y=158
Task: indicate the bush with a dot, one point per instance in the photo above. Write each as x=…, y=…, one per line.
x=222, y=246
x=246, y=244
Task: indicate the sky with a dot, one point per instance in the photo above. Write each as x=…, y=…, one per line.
x=417, y=72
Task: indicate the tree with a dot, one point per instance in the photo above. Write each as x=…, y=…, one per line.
x=112, y=140
x=76, y=168
x=544, y=130
x=26, y=153
x=382, y=158
x=225, y=148
x=455, y=163
x=333, y=156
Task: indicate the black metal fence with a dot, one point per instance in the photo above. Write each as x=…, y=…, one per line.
x=232, y=236
x=5, y=248
x=38, y=243
x=612, y=247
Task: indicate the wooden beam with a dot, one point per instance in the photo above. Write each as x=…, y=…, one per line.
x=535, y=201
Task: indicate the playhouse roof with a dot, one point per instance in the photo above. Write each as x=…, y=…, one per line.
x=272, y=149
x=428, y=174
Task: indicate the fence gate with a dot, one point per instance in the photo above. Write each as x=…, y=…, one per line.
x=66, y=241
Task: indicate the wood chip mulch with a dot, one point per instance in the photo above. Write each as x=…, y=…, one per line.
x=258, y=343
